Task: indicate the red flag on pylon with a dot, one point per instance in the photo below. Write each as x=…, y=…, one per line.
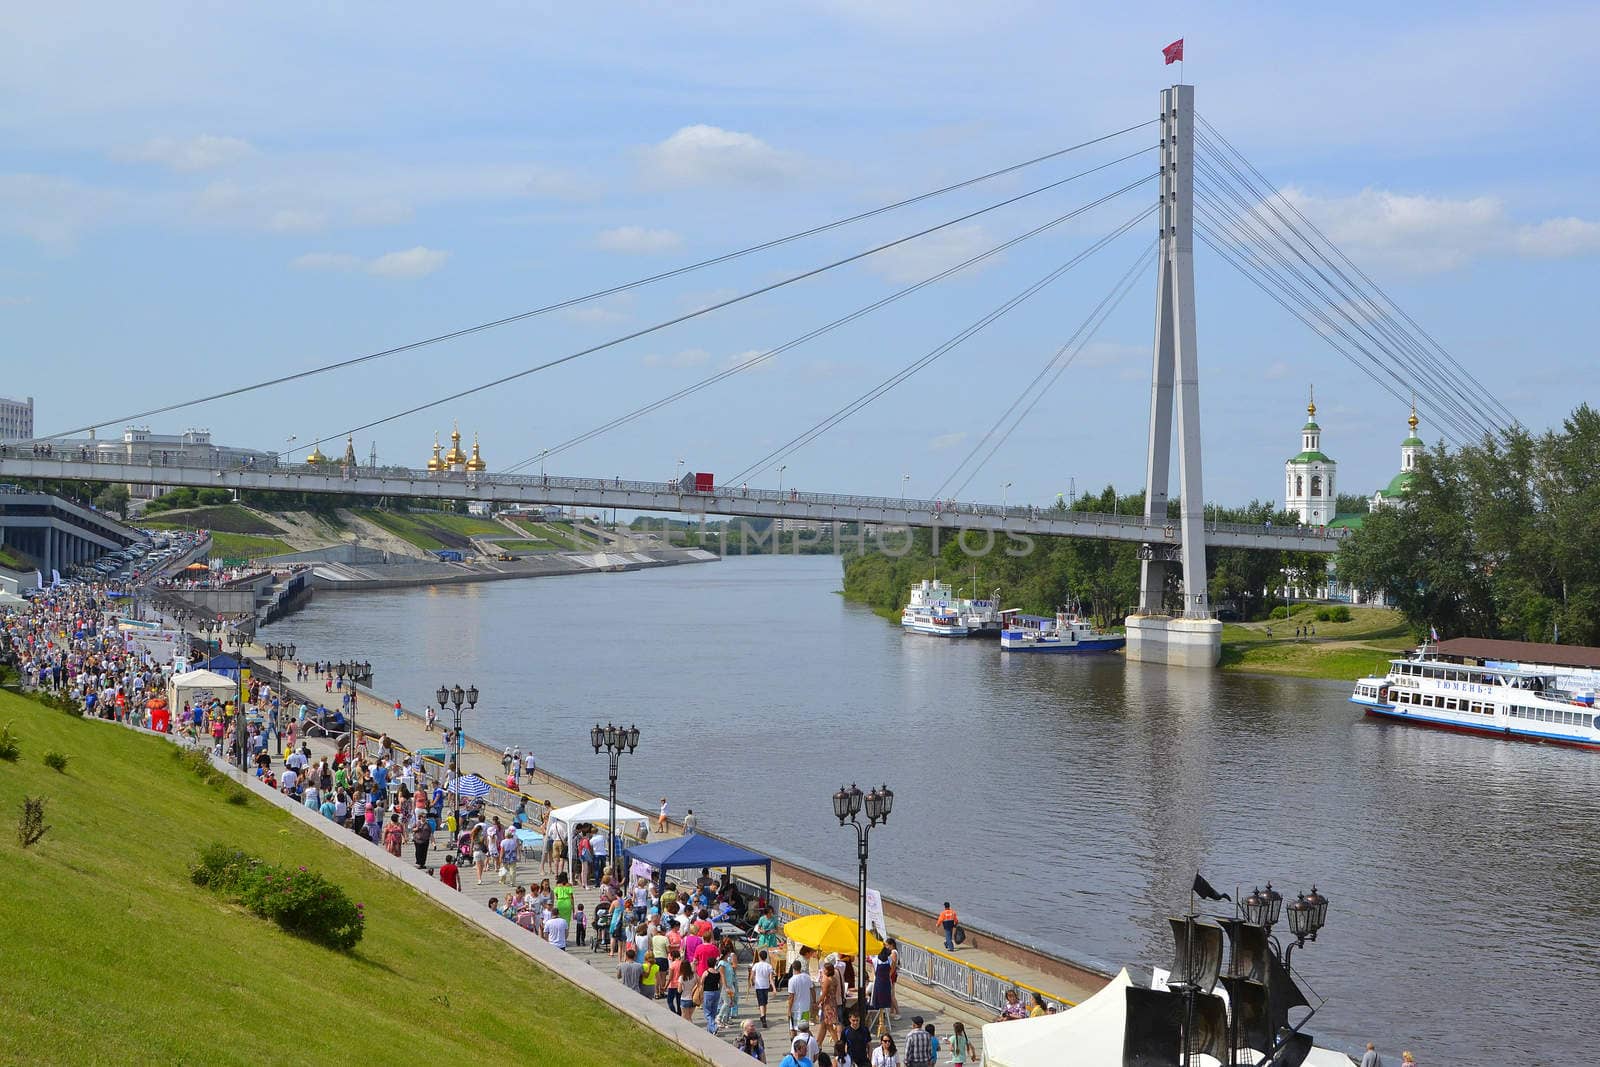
x=1173, y=52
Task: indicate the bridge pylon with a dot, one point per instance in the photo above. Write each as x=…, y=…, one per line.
x=1191, y=637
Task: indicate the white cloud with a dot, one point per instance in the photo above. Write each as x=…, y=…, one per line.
x=710, y=155
x=205, y=152
x=1559, y=238
x=689, y=357
x=740, y=358
x=1111, y=354
x=54, y=210
x=415, y=262
x=1277, y=371
x=947, y=440
x=1427, y=234
x=14, y=301
x=637, y=239
x=927, y=256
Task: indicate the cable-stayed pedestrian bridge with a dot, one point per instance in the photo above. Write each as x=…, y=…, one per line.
x=787, y=504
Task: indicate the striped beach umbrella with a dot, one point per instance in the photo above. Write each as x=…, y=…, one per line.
x=472, y=786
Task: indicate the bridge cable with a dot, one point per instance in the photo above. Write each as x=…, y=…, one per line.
x=1242, y=234
x=1074, y=344
x=1418, y=363
x=1316, y=317
x=1466, y=386
x=799, y=441
x=1261, y=277
x=515, y=375
x=771, y=353
x=1434, y=381
x=602, y=293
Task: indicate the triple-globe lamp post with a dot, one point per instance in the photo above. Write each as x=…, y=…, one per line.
x=454, y=697
x=615, y=740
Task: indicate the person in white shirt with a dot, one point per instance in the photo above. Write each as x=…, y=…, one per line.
x=555, y=931
x=800, y=990
x=761, y=978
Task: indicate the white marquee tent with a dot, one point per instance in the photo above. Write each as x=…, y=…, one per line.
x=598, y=810
x=1089, y=1035
x=201, y=684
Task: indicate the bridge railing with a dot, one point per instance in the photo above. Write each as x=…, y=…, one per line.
x=937, y=510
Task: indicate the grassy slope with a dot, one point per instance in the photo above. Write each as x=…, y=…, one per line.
x=559, y=534
x=1345, y=650
x=112, y=956
x=10, y=557
x=246, y=546
x=430, y=530
x=226, y=518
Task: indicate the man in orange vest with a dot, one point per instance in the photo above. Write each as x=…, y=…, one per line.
x=947, y=920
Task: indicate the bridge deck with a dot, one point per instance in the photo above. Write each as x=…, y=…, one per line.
x=602, y=493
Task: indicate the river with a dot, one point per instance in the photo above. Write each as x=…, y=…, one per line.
x=1065, y=801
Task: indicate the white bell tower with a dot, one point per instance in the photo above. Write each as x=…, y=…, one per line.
x=1308, y=477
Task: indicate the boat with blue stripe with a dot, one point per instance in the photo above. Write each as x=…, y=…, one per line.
x=1066, y=633
x=1500, y=700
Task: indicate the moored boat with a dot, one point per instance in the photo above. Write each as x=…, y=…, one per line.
x=1067, y=632
x=1504, y=700
x=932, y=611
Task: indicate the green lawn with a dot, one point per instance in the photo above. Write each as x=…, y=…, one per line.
x=245, y=546
x=226, y=518
x=1345, y=650
x=10, y=557
x=559, y=534
x=430, y=530
x=111, y=955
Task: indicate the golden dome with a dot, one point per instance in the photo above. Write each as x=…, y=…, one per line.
x=1311, y=402
x=315, y=456
x=434, y=462
x=1412, y=421
x=476, y=463
x=455, y=457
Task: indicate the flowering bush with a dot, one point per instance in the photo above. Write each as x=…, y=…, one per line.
x=300, y=901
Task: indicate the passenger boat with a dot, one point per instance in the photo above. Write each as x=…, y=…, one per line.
x=932, y=611
x=1067, y=632
x=1511, y=701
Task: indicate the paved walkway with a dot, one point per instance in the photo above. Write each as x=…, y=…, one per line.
x=376, y=717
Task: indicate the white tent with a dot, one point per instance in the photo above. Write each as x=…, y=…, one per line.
x=1089, y=1035
x=203, y=685
x=565, y=820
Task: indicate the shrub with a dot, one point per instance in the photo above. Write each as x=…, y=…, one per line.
x=1340, y=613
x=30, y=826
x=56, y=761
x=300, y=901
x=238, y=795
x=199, y=762
x=1279, y=612
x=10, y=750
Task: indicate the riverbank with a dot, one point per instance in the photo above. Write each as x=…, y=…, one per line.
x=1302, y=647
x=158, y=955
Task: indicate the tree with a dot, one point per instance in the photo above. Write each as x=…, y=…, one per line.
x=1496, y=539
x=113, y=497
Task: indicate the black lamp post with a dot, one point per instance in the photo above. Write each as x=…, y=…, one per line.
x=454, y=697
x=280, y=652
x=237, y=639
x=349, y=673
x=615, y=740
x=847, y=805
x=1308, y=914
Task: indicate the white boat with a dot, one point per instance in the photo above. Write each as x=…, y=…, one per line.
x=933, y=611
x=1067, y=632
x=981, y=617
x=1511, y=701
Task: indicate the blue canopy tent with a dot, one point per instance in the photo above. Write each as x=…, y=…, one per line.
x=694, y=851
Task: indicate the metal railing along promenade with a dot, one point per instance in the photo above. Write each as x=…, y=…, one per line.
x=19, y=461
x=928, y=966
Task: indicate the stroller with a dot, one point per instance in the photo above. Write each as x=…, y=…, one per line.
x=601, y=941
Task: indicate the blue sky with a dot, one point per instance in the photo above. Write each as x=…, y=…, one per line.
x=194, y=197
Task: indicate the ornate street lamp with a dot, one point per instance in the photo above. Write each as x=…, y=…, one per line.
x=615, y=740
x=847, y=807
x=454, y=697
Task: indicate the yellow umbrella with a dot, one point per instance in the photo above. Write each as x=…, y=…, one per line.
x=828, y=933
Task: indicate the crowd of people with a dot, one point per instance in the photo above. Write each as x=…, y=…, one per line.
x=676, y=944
